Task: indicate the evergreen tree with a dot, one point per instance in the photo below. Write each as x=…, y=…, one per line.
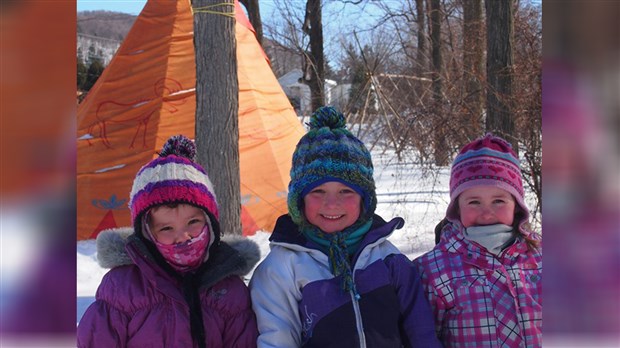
x=357, y=94
x=330, y=73
x=360, y=79
x=82, y=73
x=94, y=71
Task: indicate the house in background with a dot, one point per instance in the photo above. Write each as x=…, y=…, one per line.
x=286, y=64
x=90, y=48
x=339, y=96
x=299, y=93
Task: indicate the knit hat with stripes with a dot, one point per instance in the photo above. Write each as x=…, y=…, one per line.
x=329, y=152
x=173, y=177
x=487, y=161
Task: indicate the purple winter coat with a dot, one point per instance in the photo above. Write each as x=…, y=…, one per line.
x=139, y=304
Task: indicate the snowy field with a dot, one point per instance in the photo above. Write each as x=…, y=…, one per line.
x=401, y=191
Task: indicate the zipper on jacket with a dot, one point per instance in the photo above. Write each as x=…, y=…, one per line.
x=358, y=320
x=355, y=301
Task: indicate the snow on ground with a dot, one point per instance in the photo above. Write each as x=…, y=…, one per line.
x=402, y=190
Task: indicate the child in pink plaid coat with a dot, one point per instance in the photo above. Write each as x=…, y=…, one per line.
x=484, y=277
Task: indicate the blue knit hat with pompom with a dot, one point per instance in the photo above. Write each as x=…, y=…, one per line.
x=329, y=152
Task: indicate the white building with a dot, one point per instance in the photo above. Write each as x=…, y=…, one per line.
x=91, y=47
x=299, y=93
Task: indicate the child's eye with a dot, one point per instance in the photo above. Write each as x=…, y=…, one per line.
x=474, y=202
x=165, y=229
x=346, y=191
x=498, y=201
x=194, y=221
x=317, y=191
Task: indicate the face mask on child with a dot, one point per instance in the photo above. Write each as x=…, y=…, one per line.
x=494, y=238
x=184, y=256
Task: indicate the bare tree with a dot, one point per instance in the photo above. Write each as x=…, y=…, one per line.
x=217, y=105
x=254, y=15
x=527, y=98
x=315, y=68
x=473, y=58
x=436, y=49
x=439, y=134
x=285, y=44
x=421, y=34
x=423, y=107
x=500, y=19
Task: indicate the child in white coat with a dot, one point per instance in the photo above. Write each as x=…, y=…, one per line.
x=332, y=279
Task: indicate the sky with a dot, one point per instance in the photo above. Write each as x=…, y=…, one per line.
x=335, y=18
x=135, y=6
x=126, y=6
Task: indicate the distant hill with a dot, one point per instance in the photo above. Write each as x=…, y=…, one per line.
x=105, y=24
x=116, y=25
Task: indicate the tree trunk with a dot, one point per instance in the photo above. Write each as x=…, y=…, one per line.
x=500, y=23
x=421, y=65
x=439, y=132
x=253, y=9
x=217, y=107
x=436, y=50
x=472, y=67
x=313, y=26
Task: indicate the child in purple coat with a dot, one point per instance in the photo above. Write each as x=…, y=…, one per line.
x=173, y=282
x=484, y=277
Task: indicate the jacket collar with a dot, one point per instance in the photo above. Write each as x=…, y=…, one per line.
x=286, y=231
x=453, y=241
x=233, y=255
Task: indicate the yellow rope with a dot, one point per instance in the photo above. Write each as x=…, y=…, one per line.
x=208, y=9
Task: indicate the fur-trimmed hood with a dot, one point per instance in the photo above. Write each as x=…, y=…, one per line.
x=111, y=249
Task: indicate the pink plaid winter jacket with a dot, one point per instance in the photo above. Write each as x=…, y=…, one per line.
x=480, y=300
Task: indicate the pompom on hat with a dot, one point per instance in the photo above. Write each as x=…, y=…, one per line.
x=487, y=161
x=329, y=152
x=173, y=177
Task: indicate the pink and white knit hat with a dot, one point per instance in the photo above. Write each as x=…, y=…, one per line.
x=488, y=161
x=173, y=177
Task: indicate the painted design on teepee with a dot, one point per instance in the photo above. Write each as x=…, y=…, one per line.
x=112, y=204
x=108, y=220
x=113, y=113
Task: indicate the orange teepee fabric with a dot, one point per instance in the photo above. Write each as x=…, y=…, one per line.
x=147, y=93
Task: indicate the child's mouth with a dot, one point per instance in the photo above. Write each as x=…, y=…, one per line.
x=332, y=217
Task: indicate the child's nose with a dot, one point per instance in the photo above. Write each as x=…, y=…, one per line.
x=487, y=214
x=183, y=237
x=331, y=200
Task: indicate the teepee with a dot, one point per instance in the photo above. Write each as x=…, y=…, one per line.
x=147, y=93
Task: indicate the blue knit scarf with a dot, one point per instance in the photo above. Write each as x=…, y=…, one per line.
x=339, y=247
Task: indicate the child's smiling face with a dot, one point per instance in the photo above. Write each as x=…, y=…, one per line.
x=332, y=206
x=486, y=205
